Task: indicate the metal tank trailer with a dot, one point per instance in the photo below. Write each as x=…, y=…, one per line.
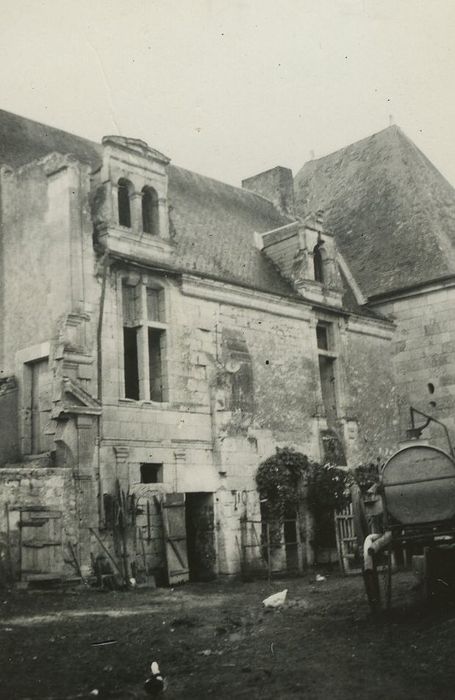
x=417, y=490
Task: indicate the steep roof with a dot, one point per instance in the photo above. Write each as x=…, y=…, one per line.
x=23, y=140
x=213, y=223
x=214, y=227
x=391, y=210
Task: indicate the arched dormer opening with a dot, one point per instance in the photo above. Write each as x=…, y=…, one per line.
x=124, y=192
x=150, y=212
x=318, y=263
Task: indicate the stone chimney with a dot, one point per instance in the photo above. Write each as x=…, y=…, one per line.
x=277, y=185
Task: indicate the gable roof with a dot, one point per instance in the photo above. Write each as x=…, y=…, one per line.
x=391, y=210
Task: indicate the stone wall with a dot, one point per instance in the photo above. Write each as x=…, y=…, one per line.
x=424, y=360
x=243, y=378
x=371, y=408
x=9, y=437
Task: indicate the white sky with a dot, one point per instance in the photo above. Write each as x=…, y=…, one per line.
x=232, y=87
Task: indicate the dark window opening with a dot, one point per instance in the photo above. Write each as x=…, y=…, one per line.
x=322, y=337
x=151, y=473
x=124, y=209
x=150, y=213
x=327, y=375
x=318, y=264
x=156, y=340
x=130, y=363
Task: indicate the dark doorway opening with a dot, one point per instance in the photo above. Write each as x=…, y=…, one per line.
x=200, y=533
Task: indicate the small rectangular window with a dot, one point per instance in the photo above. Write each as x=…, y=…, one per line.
x=328, y=388
x=322, y=337
x=130, y=358
x=151, y=473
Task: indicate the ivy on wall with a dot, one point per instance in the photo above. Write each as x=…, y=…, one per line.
x=289, y=478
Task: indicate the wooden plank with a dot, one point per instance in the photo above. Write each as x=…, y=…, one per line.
x=174, y=529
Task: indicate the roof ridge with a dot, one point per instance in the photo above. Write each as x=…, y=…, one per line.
x=391, y=128
x=415, y=175
x=236, y=188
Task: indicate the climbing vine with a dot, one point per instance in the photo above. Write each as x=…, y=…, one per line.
x=288, y=478
x=280, y=482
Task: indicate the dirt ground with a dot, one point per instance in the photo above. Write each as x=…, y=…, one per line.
x=216, y=641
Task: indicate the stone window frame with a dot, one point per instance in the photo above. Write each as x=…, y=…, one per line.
x=332, y=354
x=141, y=322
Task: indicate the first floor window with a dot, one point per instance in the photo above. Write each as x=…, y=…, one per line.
x=144, y=342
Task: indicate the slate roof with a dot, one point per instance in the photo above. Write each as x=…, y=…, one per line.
x=391, y=210
x=213, y=223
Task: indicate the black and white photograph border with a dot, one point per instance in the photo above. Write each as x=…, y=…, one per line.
x=227, y=366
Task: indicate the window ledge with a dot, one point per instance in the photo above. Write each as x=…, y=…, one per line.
x=144, y=403
x=125, y=241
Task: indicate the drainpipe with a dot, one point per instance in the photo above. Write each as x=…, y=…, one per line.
x=105, y=262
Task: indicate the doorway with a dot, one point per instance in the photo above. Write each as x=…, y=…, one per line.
x=200, y=533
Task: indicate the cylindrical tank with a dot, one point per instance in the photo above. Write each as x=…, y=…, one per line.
x=419, y=485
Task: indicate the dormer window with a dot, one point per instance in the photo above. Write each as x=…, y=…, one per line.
x=150, y=212
x=318, y=263
x=124, y=189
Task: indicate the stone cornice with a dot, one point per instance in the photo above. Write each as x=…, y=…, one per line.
x=236, y=296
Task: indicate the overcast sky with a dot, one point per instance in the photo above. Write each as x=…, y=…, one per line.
x=232, y=87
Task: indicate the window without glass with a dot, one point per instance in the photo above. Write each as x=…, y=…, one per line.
x=144, y=342
x=150, y=213
x=327, y=370
x=124, y=190
x=318, y=264
x=130, y=359
x=322, y=336
x=151, y=473
x=156, y=348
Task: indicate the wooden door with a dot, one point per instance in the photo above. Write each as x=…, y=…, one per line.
x=173, y=509
x=40, y=405
x=41, y=544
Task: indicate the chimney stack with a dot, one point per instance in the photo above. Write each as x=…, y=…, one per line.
x=277, y=185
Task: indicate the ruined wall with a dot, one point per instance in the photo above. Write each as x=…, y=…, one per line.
x=36, y=219
x=49, y=266
x=424, y=361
